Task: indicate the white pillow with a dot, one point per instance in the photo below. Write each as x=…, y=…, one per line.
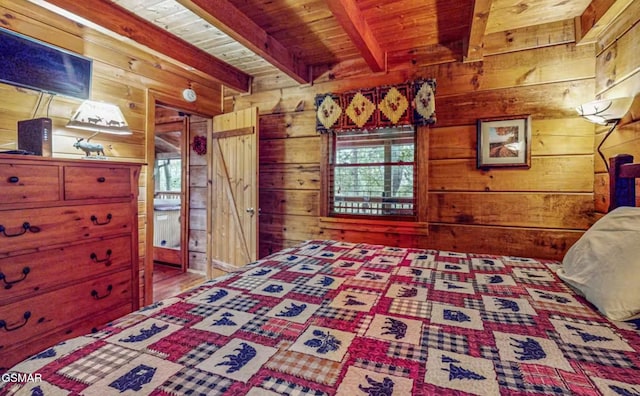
x=604, y=264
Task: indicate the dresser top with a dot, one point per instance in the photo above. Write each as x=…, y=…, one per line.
x=35, y=159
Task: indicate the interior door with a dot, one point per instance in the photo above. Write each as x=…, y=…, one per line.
x=234, y=206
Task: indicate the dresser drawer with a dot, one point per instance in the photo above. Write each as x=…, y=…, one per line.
x=28, y=183
x=35, y=316
x=28, y=274
x=43, y=227
x=18, y=352
x=96, y=182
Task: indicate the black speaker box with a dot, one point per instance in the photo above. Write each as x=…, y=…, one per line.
x=35, y=136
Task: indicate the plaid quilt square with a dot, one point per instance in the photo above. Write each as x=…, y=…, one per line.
x=311, y=291
x=198, y=353
x=99, y=363
x=337, y=314
x=283, y=328
x=247, y=283
x=566, y=310
x=240, y=303
x=436, y=337
x=602, y=357
x=176, y=345
x=543, y=376
x=408, y=352
x=298, y=279
x=448, y=276
x=509, y=318
x=578, y=382
x=308, y=367
x=510, y=376
x=359, y=254
x=258, y=327
x=365, y=284
x=412, y=308
x=193, y=381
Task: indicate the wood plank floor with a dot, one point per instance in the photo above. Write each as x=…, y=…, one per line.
x=169, y=281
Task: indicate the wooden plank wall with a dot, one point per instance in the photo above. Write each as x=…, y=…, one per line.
x=198, y=198
x=618, y=75
x=537, y=212
x=122, y=74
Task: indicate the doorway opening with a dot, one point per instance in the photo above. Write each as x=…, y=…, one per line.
x=171, y=270
x=170, y=193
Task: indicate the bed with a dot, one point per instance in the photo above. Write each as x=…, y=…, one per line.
x=329, y=317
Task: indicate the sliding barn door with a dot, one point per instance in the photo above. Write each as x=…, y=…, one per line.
x=234, y=206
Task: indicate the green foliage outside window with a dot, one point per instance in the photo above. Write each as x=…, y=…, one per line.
x=168, y=174
x=373, y=173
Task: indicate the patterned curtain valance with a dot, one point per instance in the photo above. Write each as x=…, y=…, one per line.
x=411, y=103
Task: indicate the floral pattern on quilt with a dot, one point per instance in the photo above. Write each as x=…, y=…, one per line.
x=336, y=318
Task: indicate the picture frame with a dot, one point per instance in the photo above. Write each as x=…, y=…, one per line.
x=504, y=142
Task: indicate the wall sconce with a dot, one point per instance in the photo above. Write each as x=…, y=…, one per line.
x=97, y=117
x=605, y=112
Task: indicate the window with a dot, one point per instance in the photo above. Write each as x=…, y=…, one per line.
x=372, y=173
x=168, y=174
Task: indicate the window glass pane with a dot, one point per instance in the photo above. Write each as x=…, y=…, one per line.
x=402, y=153
x=168, y=174
x=360, y=155
x=401, y=181
x=373, y=173
x=359, y=181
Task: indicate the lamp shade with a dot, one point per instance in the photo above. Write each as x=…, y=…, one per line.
x=605, y=111
x=99, y=117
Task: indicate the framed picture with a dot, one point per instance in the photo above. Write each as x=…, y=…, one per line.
x=504, y=142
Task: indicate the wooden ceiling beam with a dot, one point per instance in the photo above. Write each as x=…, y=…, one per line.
x=165, y=146
x=118, y=20
x=352, y=21
x=473, y=49
x=226, y=17
x=169, y=127
x=595, y=19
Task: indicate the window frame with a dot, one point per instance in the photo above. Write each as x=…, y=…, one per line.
x=360, y=137
x=380, y=224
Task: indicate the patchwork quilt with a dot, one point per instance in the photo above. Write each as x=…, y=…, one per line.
x=335, y=318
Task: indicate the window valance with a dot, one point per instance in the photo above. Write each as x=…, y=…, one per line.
x=411, y=103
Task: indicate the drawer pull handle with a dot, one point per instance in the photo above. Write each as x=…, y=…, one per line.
x=13, y=179
x=94, y=293
x=106, y=260
x=102, y=179
x=94, y=220
x=25, y=227
x=26, y=316
x=9, y=284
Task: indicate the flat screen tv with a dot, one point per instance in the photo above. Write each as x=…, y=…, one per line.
x=32, y=64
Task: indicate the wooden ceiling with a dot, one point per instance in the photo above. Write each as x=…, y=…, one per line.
x=236, y=41
x=168, y=131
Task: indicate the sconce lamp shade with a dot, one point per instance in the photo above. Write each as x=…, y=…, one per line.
x=605, y=111
x=99, y=117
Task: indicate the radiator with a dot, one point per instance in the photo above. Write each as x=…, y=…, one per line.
x=166, y=228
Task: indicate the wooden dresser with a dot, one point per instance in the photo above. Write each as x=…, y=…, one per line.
x=68, y=249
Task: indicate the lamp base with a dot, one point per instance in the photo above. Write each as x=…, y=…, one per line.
x=95, y=157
